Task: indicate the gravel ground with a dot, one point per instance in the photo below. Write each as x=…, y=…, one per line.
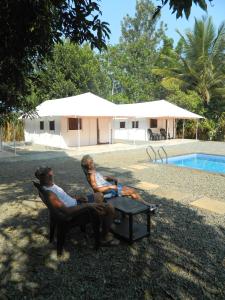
x=183, y=259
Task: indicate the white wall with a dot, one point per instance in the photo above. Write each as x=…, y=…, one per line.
x=129, y=133
x=62, y=137
x=105, y=130
x=45, y=137
x=139, y=134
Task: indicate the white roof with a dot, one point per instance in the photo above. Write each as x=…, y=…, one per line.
x=89, y=105
x=155, y=109
x=86, y=104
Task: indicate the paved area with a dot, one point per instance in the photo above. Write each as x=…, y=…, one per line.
x=183, y=259
x=38, y=151
x=146, y=185
x=7, y=154
x=210, y=204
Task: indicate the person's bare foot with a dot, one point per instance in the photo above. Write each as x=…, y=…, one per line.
x=109, y=240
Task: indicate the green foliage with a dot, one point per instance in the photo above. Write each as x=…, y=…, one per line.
x=220, y=132
x=189, y=99
x=203, y=59
x=129, y=63
x=207, y=130
x=29, y=30
x=198, y=62
x=72, y=70
x=181, y=6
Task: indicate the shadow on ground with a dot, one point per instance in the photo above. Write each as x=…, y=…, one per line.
x=183, y=258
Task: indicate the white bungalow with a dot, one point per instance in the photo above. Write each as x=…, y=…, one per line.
x=139, y=117
x=72, y=122
x=88, y=120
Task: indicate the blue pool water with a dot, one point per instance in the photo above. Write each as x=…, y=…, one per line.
x=205, y=162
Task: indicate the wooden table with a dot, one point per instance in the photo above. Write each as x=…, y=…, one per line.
x=128, y=229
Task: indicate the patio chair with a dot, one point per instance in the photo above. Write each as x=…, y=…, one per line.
x=164, y=134
x=62, y=222
x=106, y=196
x=153, y=136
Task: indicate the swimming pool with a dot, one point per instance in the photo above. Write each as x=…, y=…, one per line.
x=199, y=161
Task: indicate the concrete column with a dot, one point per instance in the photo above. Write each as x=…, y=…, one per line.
x=110, y=142
x=168, y=128
x=196, y=133
x=78, y=133
x=1, y=143
x=14, y=138
x=175, y=128
x=183, y=129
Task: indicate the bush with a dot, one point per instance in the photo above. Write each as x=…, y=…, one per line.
x=220, y=132
x=206, y=129
x=8, y=131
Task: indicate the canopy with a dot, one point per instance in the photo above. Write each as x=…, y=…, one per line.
x=155, y=109
x=86, y=104
x=90, y=105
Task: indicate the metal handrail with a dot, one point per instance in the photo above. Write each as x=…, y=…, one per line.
x=147, y=150
x=164, y=153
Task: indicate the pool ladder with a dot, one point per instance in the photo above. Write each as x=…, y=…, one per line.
x=161, y=149
x=148, y=149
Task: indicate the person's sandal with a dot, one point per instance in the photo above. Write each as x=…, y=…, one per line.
x=114, y=242
x=109, y=240
x=153, y=208
x=117, y=221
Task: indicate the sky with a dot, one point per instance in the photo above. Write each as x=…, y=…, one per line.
x=113, y=12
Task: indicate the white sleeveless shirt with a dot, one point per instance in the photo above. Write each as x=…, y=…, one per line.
x=62, y=195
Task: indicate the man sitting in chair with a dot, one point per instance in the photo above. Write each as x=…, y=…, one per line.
x=108, y=185
x=69, y=205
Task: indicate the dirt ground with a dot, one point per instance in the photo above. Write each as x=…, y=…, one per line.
x=183, y=259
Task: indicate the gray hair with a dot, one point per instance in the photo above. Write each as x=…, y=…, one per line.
x=84, y=161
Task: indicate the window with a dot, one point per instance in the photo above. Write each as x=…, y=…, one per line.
x=74, y=123
x=122, y=124
x=135, y=124
x=51, y=125
x=41, y=125
x=153, y=123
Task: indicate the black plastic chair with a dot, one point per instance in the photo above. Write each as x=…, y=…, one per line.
x=153, y=136
x=106, y=197
x=164, y=134
x=62, y=222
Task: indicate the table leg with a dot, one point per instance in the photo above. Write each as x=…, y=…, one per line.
x=130, y=228
x=148, y=222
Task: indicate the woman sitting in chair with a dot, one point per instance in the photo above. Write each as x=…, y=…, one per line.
x=107, y=185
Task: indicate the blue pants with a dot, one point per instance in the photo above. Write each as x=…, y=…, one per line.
x=112, y=193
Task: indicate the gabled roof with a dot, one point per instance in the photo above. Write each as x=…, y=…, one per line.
x=86, y=104
x=90, y=105
x=155, y=109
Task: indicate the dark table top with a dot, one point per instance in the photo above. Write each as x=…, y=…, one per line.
x=128, y=205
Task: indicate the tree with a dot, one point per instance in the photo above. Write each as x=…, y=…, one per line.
x=181, y=6
x=72, y=70
x=130, y=62
x=29, y=30
x=199, y=65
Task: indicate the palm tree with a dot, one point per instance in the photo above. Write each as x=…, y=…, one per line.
x=200, y=65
